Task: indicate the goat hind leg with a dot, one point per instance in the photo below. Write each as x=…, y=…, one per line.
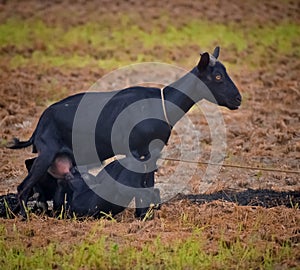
x=38, y=170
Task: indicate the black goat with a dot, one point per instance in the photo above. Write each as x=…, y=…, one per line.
x=112, y=190
x=84, y=194
x=144, y=128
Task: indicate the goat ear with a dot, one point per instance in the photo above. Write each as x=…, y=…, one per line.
x=204, y=61
x=216, y=52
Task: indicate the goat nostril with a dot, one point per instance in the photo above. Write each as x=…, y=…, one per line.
x=239, y=98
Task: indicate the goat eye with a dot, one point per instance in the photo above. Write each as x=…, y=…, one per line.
x=218, y=77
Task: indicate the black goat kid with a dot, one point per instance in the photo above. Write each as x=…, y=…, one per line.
x=94, y=126
x=84, y=195
x=112, y=190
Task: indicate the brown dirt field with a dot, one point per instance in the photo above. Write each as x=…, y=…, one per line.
x=265, y=132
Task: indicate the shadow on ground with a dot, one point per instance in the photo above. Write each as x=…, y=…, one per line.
x=250, y=197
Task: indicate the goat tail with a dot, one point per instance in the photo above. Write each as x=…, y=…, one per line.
x=17, y=144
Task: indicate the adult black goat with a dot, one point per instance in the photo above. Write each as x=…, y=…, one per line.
x=94, y=126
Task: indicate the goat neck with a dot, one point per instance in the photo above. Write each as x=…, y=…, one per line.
x=183, y=93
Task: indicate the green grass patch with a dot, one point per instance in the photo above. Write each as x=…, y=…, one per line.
x=113, y=45
x=24, y=34
x=280, y=37
x=42, y=59
x=100, y=252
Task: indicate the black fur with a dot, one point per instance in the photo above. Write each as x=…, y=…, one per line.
x=86, y=201
x=55, y=128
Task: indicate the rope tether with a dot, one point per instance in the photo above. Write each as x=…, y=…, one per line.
x=233, y=166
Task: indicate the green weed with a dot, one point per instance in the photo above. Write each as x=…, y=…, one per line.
x=112, y=45
x=103, y=253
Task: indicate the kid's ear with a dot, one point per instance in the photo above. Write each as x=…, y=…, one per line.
x=216, y=52
x=204, y=61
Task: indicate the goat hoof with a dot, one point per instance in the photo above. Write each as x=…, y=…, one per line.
x=23, y=217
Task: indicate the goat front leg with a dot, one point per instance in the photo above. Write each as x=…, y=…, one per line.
x=62, y=197
x=143, y=202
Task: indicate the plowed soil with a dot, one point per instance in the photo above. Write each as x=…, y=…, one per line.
x=265, y=132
